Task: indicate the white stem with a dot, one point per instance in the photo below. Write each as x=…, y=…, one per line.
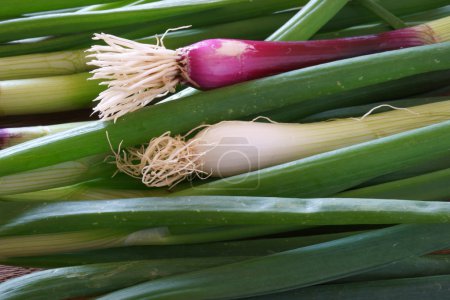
x=235, y=147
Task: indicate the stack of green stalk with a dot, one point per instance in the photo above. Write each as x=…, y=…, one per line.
x=319, y=226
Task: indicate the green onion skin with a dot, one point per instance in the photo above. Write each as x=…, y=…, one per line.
x=251, y=247
x=66, y=173
x=101, y=278
x=428, y=287
x=355, y=14
x=361, y=110
x=85, y=280
x=430, y=186
x=332, y=172
x=172, y=40
x=427, y=265
x=433, y=164
x=72, y=61
x=226, y=103
x=71, y=241
x=256, y=28
x=383, y=13
x=13, y=136
x=48, y=94
x=136, y=214
x=390, y=90
x=11, y=8
x=162, y=14
x=364, y=29
x=318, y=264
x=43, y=64
x=312, y=17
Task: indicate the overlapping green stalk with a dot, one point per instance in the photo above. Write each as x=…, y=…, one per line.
x=328, y=173
x=88, y=280
x=209, y=107
x=161, y=14
x=427, y=287
x=318, y=263
x=137, y=214
x=430, y=186
x=250, y=247
x=62, y=174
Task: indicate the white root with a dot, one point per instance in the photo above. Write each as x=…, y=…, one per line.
x=164, y=161
x=135, y=73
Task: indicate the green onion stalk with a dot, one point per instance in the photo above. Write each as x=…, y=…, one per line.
x=62, y=174
x=374, y=108
x=436, y=163
x=13, y=136
x=257, y=28
x=319, y=263
x=383, y=13
x=96, y=279
x=430, y=287
x=65, y=241
x=167, y=160
x=244, y=247
x=429, y=186
x=48, y=94
x=332, y=172
x=241, y=100
x=42, y=186
x=81, y=281
x=137, y=214
x=175, y=13
x=14, y=9
x=223, y=12
x=364, y=29
x=73, y=61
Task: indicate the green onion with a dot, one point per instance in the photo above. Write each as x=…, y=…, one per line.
x=13, y=136
x=153, y=71
x=55, y=176
x=86, y=280
x=383, y=13
x=11, y=8
x=411, y=20
x=250, y=247
x=66, y=241
x=72, y=61
x=101, y=278
x=42, y=64
x=82, y=192
x=355, y=14
x=361, y=110
x=46, y=94
x=312, y=17
x=428, y=287
x=318, y=264
x=394, y=89
x=234, y=147
x=27, y=218
x=430, y=186
x=241, y=100
x=415, y=267
x=332, y=172
x=162, y=15
x=435, y=163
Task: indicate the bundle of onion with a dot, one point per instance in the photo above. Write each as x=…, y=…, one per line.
x=138, y=73
x=234, y=147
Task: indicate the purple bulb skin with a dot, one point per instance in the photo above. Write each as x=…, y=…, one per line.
x=4, y=137
x=216, y=63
